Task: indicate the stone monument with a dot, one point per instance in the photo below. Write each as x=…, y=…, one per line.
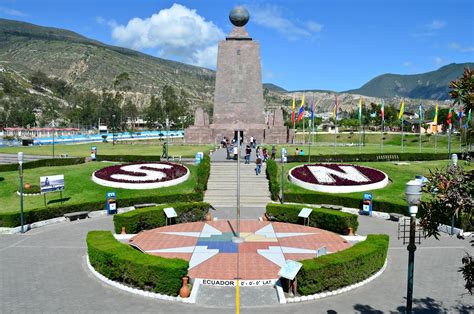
x=238, y=97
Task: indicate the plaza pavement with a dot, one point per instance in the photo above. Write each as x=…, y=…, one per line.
x=44, y=271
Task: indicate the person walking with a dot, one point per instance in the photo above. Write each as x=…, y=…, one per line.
x=258, y=163
x=258, y=152
x=236, y=151
x=264, y=154
x=274, y=152
x=248, y=151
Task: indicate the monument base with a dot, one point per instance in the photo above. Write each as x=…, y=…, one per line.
x=276, y=135
x=198, y=135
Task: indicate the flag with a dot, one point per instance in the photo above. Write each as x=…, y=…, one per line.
x=460, y=117
x=435, y=120
x=360, y=111
x=468, y=118
x=335, y=110
x=312, y=110
x=293, y=111
x=382, y=112
x=402, y=108
x=420, y=113
x=450, y=115
x=301, y=111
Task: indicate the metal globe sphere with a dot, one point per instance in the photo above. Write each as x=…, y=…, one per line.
x=239, y=16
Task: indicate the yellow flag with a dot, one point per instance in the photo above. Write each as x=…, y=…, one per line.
x=435, y=120
x=402, y=108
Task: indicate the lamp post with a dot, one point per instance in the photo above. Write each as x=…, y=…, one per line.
x=413, y=196
x=113, y=130
x=20, y=168
x=238, y=238
x=283, y=159
x=167, y=137
x=52, y=124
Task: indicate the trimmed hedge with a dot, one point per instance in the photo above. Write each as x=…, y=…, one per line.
x=56, y=162
x=370, y=157
x=203, y=173
x=119, y=262
x=154, y=217
x=327, y=219
x=12, y=219
x=127, y=158
x=347, y=201
x=347, y=267
x=273, y=182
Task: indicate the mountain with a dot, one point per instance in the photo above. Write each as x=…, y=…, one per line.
x=430, y=85
x=274, y=88
x=91, y=65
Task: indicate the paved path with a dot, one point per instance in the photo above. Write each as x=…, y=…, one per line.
x=13, y=158
x=222, y=188
x=43, y=271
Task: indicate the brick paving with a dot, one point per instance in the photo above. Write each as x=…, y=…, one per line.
x=259, y=257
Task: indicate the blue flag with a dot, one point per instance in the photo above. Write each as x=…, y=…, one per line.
x=312, y=110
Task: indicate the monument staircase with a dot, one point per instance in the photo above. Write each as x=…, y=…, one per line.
x=222, y=188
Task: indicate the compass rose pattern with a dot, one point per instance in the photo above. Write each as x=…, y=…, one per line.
x=211, y=254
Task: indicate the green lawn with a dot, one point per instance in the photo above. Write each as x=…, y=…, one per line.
x=79, y=187
x=324, y=144
x=398, y=175
x=136, y=148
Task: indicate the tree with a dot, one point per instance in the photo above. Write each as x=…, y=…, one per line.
x=130, y=112
x=122, y=82
x=154, y=113
x=451, y=192
x=462, y=89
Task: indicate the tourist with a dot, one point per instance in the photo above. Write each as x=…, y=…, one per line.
x=254, y=142
x=274, y=151
x=228, y=149
x=236, y=151
x=265, y=154
x=258, y=152
x=301, y=152
x=248, y=151
x=258, y=163
x=251, y=141
x=297, y=152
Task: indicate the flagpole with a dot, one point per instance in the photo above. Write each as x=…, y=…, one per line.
x=335, y=129
x=309, y=146
x=449, y=140
x=403, y=135
x=436, y=137
x=303, y=130
x=381, y=136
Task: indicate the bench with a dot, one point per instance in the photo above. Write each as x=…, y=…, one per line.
x=76, y=215
x=63, y=156
x=395, y=216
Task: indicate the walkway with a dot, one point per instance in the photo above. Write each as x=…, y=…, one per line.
x=222, y=188
x=43, y=271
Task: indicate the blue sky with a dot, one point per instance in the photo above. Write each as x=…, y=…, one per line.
x=336, y=45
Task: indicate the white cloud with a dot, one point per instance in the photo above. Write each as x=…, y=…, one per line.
x=12, y=12
x=438, y=61
x=178, y=32
x=436, y=24
x=271, y=16
x=458, y=47
x=408, y=64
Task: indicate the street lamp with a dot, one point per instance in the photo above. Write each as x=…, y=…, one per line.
x=20, y=168
x=238, y=238
x=413, y=196
x=283, y=160
x=167, y=138
x=113, y=130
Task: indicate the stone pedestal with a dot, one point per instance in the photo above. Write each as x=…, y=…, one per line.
x=199, y=133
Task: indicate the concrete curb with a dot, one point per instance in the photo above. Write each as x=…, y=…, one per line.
x=147, y=294
x=334, y=292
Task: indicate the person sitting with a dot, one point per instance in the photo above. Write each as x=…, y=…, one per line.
x=301, y=152
x=297, y=152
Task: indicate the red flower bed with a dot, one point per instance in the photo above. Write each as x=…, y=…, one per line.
x=170, y=174
x=304, y=174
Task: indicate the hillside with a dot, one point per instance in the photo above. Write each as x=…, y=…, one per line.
x=430, y=85
x=91, y=65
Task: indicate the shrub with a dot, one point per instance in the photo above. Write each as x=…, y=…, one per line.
x=56, y=162
x=127, y=158
x=347, y=267
x=326, y=219
x=370, y=157
x=203, y=172
x=154, y=217
x=273, y=182
x=120, y=262
x=12, y=219
x=347, y=201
